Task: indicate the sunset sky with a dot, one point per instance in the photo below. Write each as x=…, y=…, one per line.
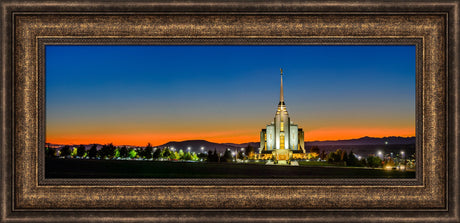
x=132, y=95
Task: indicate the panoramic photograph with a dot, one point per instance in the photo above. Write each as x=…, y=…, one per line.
x=230, y=111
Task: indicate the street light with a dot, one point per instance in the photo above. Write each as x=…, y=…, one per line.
x=202, y=148
x=188, y=148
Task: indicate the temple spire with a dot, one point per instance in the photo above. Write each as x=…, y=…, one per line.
x=281, y=89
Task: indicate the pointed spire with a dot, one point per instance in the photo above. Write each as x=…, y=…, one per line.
x=281, y=89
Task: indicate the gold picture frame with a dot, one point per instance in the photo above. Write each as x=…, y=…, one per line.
x=28, y=26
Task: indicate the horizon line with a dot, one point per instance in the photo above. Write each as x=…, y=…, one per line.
x=221, y=142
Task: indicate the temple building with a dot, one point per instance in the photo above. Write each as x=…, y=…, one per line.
x=282, y=138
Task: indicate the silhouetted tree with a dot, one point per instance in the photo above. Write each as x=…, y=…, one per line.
x=227, y=157
x=363, y=162
x=352, y=160
x=334, y=156
x=187, y=156
x=166, y=152
x=65, y=151
x=213, y=156
x=203, y=156
x=81, y=151
x=111, y=150
x=50, y=152
x=209, y=156
x=314, y=149
x=323, y=155
x=93, y=151
x=181, y=154
x=107, y=151
x=102, y=153
x=249, y=151
x=157, y=153
x=345, y=157
x=337, y=157
x=147, y=152
x=241, y=155
x=123, y=152
x=373, y=161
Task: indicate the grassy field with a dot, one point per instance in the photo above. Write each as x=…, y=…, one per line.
x=74, y=168
x=315, y=163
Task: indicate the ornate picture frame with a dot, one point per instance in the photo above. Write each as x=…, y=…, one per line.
x=28, y=196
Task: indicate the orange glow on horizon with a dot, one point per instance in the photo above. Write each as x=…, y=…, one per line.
x=155, y=139
x=324, y=134
x=225, y=136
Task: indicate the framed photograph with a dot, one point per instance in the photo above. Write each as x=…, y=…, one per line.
x=183, y=111
x=218, y=111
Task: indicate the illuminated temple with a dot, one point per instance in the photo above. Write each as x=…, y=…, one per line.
x=282, y=140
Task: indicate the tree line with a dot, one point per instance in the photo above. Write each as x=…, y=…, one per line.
x=341, y=157
x=109, y=151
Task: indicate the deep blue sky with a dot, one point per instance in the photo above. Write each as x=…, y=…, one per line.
x=220, y=92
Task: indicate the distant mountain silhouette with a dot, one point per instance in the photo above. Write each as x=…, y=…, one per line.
x=362, y=144
x=242, y=145
x=392, y=140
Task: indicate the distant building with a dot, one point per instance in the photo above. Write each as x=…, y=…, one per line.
x=282, y=137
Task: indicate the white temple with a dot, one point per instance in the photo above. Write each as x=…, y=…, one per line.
x=282, y=136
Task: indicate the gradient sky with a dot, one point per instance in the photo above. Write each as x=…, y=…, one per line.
x=131, y=95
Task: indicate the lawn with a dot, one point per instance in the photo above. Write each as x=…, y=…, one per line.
x=75, y=168
x=314, y=163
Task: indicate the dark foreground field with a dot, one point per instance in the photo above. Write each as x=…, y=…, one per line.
x=73, y=168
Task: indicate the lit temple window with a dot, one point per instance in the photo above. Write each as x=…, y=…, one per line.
x=282, y=141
